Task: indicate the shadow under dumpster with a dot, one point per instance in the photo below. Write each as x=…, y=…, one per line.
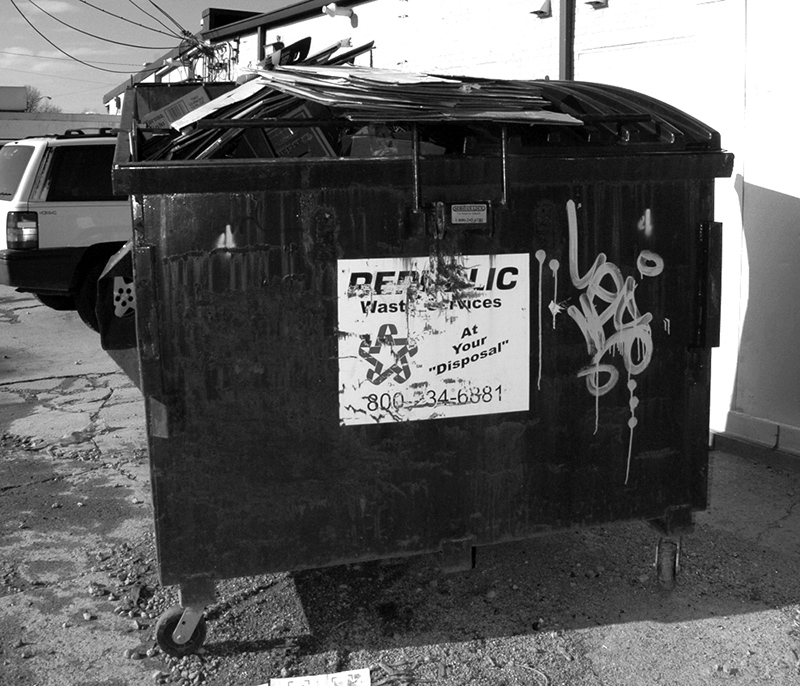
x=740, y=561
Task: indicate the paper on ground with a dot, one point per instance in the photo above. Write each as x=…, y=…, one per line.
x=353, y=677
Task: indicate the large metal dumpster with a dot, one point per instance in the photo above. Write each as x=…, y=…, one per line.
x=493, y=331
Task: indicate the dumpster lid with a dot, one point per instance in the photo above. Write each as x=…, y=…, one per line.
x=322, y=105
x=599, y=114
x=362, y=94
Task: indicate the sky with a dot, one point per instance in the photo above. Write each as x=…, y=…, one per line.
x=44, y=43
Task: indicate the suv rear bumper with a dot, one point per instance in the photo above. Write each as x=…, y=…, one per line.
x=49, y=271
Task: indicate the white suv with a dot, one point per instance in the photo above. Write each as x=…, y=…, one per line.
x=63, y=220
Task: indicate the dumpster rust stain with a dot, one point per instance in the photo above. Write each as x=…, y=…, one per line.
x=608, y=318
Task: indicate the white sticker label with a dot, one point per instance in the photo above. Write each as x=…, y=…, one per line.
x=427, y=338
x=355, y=677
x=468, y=214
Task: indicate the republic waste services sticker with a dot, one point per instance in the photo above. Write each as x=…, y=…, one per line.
x=432, y=337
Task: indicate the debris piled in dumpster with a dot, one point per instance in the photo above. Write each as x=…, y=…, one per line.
x=293, y=105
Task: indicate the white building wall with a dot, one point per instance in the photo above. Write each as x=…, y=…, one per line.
x=767, y=398
x=499, y=39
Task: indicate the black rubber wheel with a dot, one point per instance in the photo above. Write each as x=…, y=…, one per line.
x=86, y=297
x=165, y=627
x=56, y=302
x=667, y=563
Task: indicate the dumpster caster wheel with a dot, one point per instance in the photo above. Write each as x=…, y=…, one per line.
x=166, y=633
x=667, y=562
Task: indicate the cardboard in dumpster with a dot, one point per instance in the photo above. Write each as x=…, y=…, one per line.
x=210, y=107
x=164, y=117
x=353, y=677
x=299, y=141
x=381, y=141
x=330, y=88
x=366, y=93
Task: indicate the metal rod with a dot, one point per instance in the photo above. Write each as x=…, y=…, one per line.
x=415, y=163
x=566, y=31
x=504, y=162
x=273, y=121
x=346, y=123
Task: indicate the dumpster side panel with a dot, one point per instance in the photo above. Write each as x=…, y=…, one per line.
x=252, y=469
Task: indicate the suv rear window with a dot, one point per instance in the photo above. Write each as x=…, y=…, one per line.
x=81, y=173
x=13, y=160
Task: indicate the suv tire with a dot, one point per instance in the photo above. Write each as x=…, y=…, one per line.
x=86, y=296
x=56, y=302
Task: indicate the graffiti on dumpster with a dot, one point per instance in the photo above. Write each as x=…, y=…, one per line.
x=630, y=330
x=427, y=338
x=608, y=317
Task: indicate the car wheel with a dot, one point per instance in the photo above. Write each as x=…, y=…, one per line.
x=86, y=297
x=56, y=302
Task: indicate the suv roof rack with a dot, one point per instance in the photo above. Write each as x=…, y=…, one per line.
x=104, y=131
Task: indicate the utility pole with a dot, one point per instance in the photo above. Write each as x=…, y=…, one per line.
x=566, y=41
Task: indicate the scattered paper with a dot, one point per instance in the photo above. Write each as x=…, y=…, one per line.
x=353, y=677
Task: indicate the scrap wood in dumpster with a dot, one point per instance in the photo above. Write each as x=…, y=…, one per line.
x=339, y=100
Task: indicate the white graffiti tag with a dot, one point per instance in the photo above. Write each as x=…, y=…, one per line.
x=610, y=321
x=608, y=315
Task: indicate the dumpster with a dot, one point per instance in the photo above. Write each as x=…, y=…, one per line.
x=384, y=331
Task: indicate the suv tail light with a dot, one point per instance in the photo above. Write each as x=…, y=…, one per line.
x=22, y=230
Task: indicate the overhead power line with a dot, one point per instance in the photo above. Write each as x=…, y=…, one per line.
x=186, y=36
x=63, y=59
x=154, y=18
x=182, y=30
x=170, y=33
x=92, y=35
x=61, y=50
x=60, y=78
